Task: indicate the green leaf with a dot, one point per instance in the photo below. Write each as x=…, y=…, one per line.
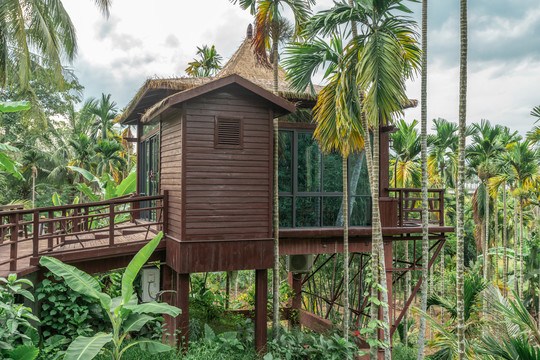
x=7, y=164
x=56, y=199
x=209, y=334
x=13, y=106
x=135, y=322
x=128, y=185
x=135, y=266
x=83, y=348
x=152, y=346
x=85, y=173
x=77, y=280
x=88, y=192
x=154, y=308
x=24, y=352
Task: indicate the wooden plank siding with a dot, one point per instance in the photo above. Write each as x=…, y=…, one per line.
x=228, y=191
x=171, y=167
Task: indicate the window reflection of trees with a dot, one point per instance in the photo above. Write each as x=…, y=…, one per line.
x=310, y=184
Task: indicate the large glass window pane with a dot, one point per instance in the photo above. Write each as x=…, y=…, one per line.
x=309, y=164
x=308, y=209
x=361, y=211
x=358, y=175
x=285, y=212
x=285, y=161
x=332, y=174
x=332, y=211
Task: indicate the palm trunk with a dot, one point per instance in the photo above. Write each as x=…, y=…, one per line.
x=275, y=272
x=425, y=206
x=378, y=241
x=516, y=241
x=407, y=295
x=460, y=203
x=505, y=240
x=485, y=247
x=345, y=252
x=496, y=237
x=521, y=262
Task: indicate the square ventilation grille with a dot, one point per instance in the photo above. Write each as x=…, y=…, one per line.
x=228, y=133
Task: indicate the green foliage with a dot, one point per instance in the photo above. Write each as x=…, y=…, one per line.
x=67, y=312
x=402, y=352
x=13, y=106
x=15, y=320
x=296, y=344
x=124, y=313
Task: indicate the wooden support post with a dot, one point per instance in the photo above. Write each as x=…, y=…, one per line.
x=295, y=280
x=64, y=227
x=14, y=220
x=165, y=211
x=182, y=301
x=50, y=230
x=168, y=279
x=388, y=262
x=261, y=311
x=76, y=222
x=36, y=231
x=111, y=224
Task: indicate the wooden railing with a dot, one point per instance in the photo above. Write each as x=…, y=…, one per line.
x=32, y=233
x=410, y=206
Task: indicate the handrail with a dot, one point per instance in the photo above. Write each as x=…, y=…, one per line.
x=408, y=205
x=31, y=233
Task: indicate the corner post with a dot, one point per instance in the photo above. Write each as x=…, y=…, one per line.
x=182, y=301
x=261, y=311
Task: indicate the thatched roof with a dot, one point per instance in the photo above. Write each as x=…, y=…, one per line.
x=280, y=106
x=242, y=63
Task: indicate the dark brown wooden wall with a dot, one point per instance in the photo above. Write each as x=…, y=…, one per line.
x=171, y=167
x=228, y=191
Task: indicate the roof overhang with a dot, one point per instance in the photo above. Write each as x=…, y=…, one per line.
x=280, y=105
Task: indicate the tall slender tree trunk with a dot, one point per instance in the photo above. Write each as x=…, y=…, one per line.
x=407, y=295
x=505, y=242
x=275, y=272
x=425, y=206
x=485, y=248
x=460, y=203
x=516, y=242
x=521, y=262
x=345, y=251
x=496, y=237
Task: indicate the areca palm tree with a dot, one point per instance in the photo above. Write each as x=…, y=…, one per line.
x=534, y=134
x=109, y=160
x=208, y=63
x=269, y=25
x=104, y=112
x=442, y=155
x=460, y=201
x=366, y=90
x=407, y=146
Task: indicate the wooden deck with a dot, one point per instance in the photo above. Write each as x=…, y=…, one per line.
x=76, y=233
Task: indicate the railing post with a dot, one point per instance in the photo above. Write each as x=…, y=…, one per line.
x=165, y=211
x=111, y=224
x=35, y=241
x=50, y=230
x=401, y=208
x=76, y=221
x=441, y=207
x=14, y=219
x=64, y=226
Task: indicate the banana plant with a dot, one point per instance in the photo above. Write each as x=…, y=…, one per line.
x=124, y=312
x=107, y=188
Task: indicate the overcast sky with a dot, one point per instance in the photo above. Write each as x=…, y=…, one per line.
x=143, y=39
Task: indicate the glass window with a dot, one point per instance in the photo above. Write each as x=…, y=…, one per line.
x=311, y=184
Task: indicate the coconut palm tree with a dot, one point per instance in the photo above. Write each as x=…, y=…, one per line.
x=36, y=32
x=269, y=26
x=104, y=112
x=460, y=200
x=208, y=63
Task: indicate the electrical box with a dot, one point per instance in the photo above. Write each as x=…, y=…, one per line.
x=150, y=284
